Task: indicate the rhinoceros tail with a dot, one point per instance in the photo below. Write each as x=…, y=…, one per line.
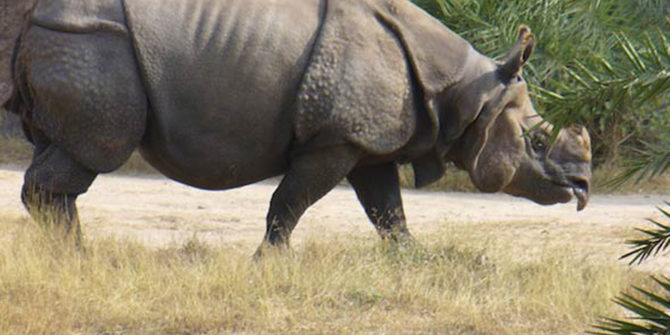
x=17, y=102
x=13, y=104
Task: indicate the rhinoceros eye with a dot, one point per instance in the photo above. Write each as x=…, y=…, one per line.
x=539, y=142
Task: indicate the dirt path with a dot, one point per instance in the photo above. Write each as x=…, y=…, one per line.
x=158, y=212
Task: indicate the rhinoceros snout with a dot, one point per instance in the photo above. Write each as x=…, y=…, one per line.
x=580, y=188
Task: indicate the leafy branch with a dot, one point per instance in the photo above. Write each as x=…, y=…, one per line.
x=657, y=240
x=618, y=99
x=651, y=160
x=655, y=314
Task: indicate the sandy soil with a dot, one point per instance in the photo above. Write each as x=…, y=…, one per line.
x=159, y=212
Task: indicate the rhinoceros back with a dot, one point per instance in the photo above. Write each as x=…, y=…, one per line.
x=221, y=55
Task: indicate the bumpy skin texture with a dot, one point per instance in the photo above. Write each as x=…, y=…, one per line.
x=227, y=71
x=359, y=82
x=73, y=105
x=12, y=13
x=222, y=93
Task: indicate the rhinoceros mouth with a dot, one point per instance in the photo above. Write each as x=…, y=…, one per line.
x=579, y=189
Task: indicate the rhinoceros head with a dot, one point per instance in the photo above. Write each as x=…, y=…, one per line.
x=507, y=145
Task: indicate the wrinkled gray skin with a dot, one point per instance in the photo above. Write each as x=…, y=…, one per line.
x=218, y=94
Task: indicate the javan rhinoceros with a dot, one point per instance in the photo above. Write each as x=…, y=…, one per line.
x=218, y=94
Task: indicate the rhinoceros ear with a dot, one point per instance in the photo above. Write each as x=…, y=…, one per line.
x=519, y=54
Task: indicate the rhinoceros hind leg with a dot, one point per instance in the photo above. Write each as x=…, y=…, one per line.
x=309, y=177
x=85, y=93
x=378, y=190
x=51, y=185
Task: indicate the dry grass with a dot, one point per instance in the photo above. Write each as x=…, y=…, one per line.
x=604, y=174
x=336, y=285
x=136, y=165
x=14, y=151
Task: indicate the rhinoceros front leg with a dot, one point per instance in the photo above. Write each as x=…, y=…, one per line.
x=52, y=183
x=309, y=177
x=378, y=190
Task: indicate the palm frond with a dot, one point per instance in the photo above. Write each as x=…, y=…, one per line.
x=600, y=88
x=657, y=240
x=651, y=160
x=650, y=313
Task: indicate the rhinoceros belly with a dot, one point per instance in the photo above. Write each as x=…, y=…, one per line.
x=221, y=77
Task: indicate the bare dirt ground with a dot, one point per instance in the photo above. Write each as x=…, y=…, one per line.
x=160, y=212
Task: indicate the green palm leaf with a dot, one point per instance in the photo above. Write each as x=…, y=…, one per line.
x=650, y=316
x=656, y=240
x=650, y=312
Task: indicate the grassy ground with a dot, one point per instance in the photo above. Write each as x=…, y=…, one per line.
x=338, y=285
x=457, y=283
x=17, y=152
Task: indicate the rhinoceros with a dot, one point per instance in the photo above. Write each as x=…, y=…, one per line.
x=218, y=94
